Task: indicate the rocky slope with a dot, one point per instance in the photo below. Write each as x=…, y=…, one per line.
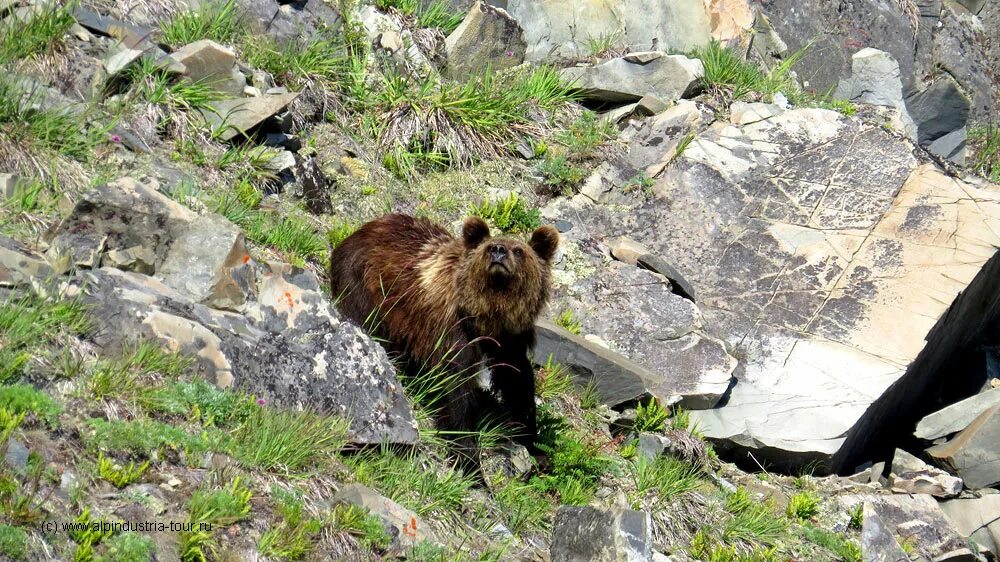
x=774, y=330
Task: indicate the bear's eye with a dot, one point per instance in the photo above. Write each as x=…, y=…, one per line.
x=519, y=252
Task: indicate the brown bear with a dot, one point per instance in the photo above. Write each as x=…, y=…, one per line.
x=464, y=307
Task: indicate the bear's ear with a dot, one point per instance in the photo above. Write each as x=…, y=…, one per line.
x=474, y=231
x=544, y=242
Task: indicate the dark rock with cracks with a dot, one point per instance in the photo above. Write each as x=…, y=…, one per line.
x=591, y=534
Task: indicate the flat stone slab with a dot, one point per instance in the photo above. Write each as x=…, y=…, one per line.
x=821, y=253
x=978, y=519
x=238, y=115
x=625, y=79
x=975, y=453
x=956, y=417
x=589, y=534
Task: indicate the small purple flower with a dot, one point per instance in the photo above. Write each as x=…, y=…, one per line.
x=261, y=401
x=509, y=53
x=116, y=139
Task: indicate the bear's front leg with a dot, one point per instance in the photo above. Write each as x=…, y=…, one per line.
x=514, y=383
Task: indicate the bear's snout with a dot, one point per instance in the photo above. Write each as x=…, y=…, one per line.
x=497, y=253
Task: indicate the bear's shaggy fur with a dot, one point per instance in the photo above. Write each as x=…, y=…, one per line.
x=466, y=306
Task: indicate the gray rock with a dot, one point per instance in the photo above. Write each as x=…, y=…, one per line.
x=743, y=113
x=232, y=117
x=561, y=29
x=312, y=186
x=877, y=541
x=974, y=453
x=120, y=215
x=905, y=462
x=411, y=58
x=931, y=481
x=281, y=161
x=589, y=534
x=8, y=183
x=875, y=80
x=487, y=37
x=406, y=527
x=289, y=347
x=938, y=111
x=953, y=419
x=978, y=519
x=202, y=260
x=212, y=64
x=16, y=455
x=668, y=77
x=120, y=60
x=20, y=266
x=651, y=105
x=916, y=517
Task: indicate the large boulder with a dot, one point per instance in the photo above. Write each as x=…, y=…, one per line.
x=915, y=519
x=977, y=519
x=487, y=38
x=823, y=255
x=563, y=29
x=629, y=78
x=289, y=348
x=955, y=418
x=875, y=80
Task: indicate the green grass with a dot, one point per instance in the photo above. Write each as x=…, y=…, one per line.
x=845, y=549
x=752, y=522
x=134, y=372
x=152, y=84
x=552, y=380
x=667, y=476
x=651, y=417
x=705, y=547
x=605, y=43
x=522, y=507
x=567, y=162
x=28, y=325
x=568, y=321
x=295, y=535
x=218, y=20
x=24, y=126
x=141, y=438
x=26, y=399
x=412, y=482
x=200, y=402
x=985, y=142
x=13, y=542
x=290, y=234
x=435, y=14
x=509, y=214
x=356, y=520
x=41, y=34
x=129, y=547
x=117, y=474
x=857, y=514
x=207, y=511
x=339, y=230
x=320, y=58
x=803, y=506
x=576, y=462
x=287, y=440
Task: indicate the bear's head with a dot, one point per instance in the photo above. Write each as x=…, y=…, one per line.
x=505, y=282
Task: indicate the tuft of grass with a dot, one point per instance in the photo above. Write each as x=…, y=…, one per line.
x=590, y=397
x=13, y=542
x=144, y=437
x=294, y=537
x=356, y=521
x=576, y=461
x=42, y=33
x=290, y=234
x=509, y=214
x=287, y=440
x=985, y=141
x=208, y=510
x=339, y=230
x=606, y=44
x=651, y=417
x=566, y=163
x=411, y=481
x=119, y=475
x=552, y=381
x=200, y=402
x=26, y=399
x=321, y=58
x=846, y=550
x=803, y=506
x=152, y=84
x=218, y=20
x=128, y=376
x=28, y=324
x=752, y=522
x=857, y=514
x=667, y=476
x=568, y=321
x=433, y=14
x=705, y=547
x=521, y=506
x=130, y=547
x=88, y=533
x=24, y=125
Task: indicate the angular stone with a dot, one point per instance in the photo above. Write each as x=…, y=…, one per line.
x=875, y=79
x=978, y=519
x=931, y=481
x=8, y=182
x=653, y=143
x=627, y=250
x=916, y=518
x=405, y=526
x=487, y=37
x=742, y=113
x=289, y=347
x=975, y=452
x=201, y=261
x=877, y=542
x=212, y=64
x=953, y=419
x=939, y=110
x=237, y=116
x=19, y=266
x=120, y=60
x=651, y=105
x=905, y=462
x=136, y=258
x=120, y=215
x=590, y=534
x=668, y=77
